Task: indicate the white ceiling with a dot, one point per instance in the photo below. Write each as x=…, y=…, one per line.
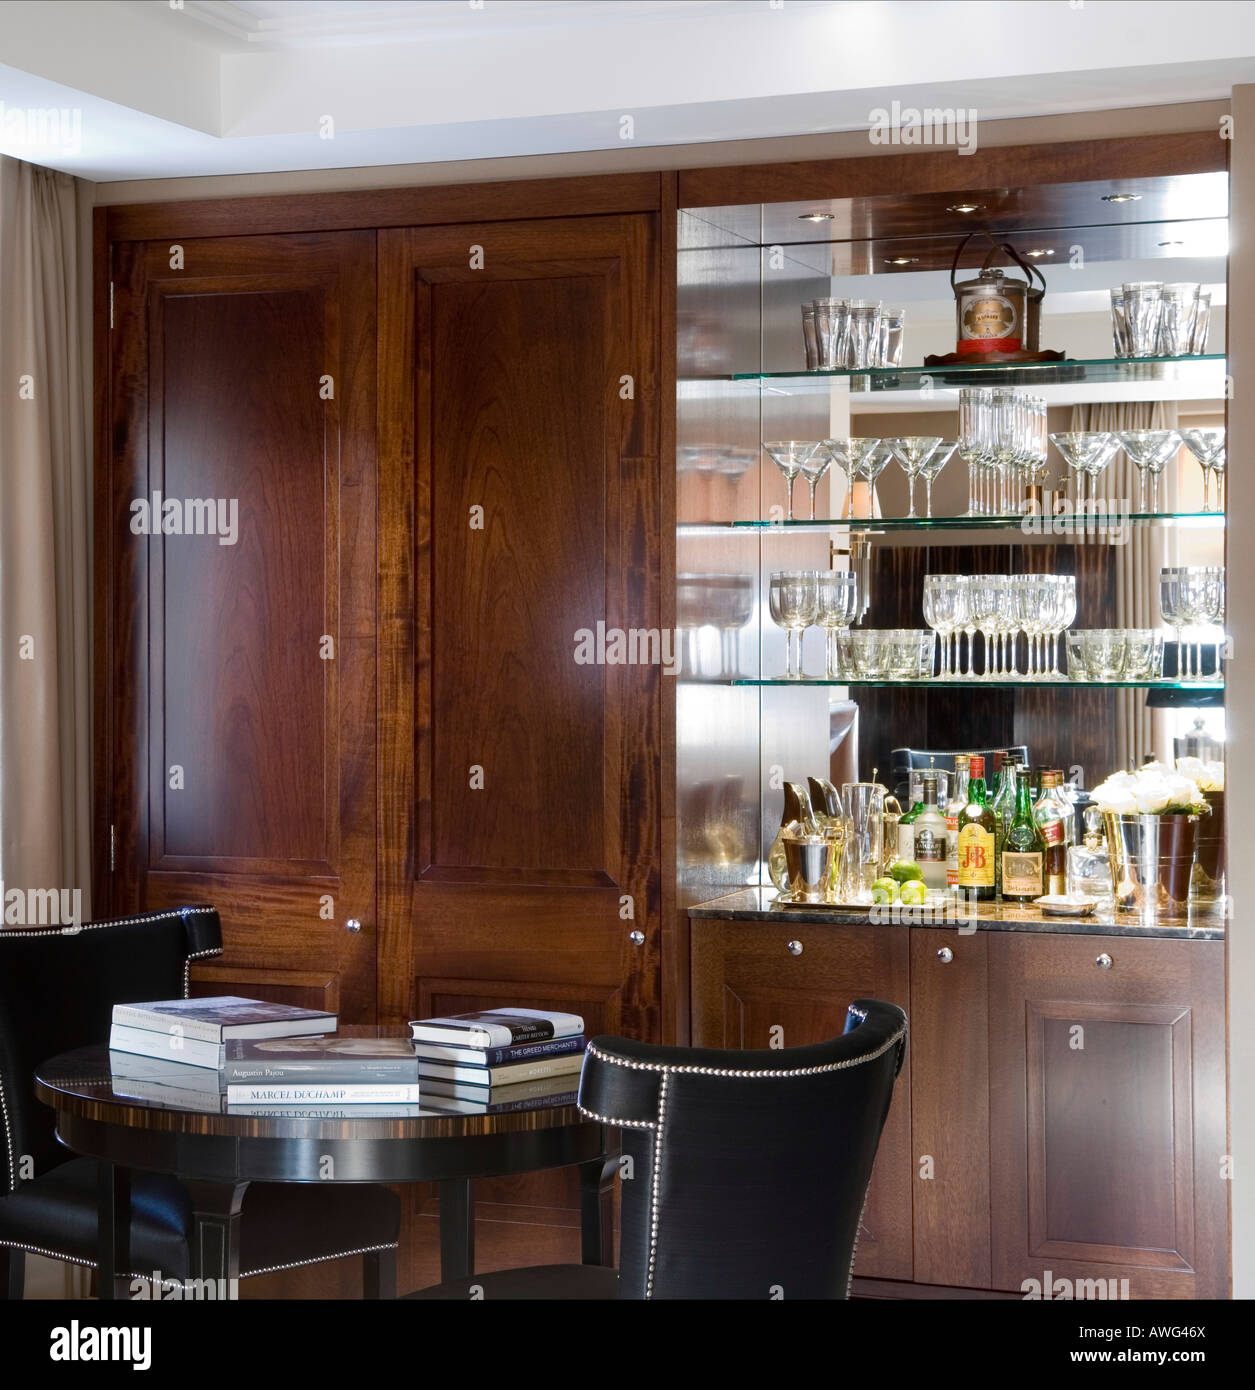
x=215, y=87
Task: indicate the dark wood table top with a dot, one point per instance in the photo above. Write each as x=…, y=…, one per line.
x=88, y=1085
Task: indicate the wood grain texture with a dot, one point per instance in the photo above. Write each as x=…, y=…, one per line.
x=949, y=1016
x=1108, y=1143
x=746, y=984
x=386, y=207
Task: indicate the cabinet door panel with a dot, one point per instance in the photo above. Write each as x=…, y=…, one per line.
x=750, y=991
x=950, y=1107
x=1107, y=1112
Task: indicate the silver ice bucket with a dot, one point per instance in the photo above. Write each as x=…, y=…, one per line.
x=1152, y=861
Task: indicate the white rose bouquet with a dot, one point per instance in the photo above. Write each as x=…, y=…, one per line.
x=1209, y=776
x=1153, y=790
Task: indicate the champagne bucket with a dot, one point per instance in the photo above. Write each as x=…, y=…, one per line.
x=1152, y=861
x=1209, y=856
x=808, y=866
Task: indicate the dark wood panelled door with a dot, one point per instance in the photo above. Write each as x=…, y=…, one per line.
x=1107, y=1114
x=241, y=500
x=521, y=505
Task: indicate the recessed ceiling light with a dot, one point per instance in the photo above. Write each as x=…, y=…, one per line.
x=1039, y=251
x=965, y=207
x=901, y=260
x=1122, y=197
x=814, y=217
x=1171, y=243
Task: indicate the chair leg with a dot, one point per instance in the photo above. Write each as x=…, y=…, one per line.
x=379, y=1274
x=12, y=1272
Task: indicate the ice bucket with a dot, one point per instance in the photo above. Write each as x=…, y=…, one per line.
x=1152, y=861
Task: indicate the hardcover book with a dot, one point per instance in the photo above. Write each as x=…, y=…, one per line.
x=497, y=1028
x=501, y=1076
x=314, y=1095
x=223, y=1017
x=481, y=1100
x=333, y=1059
x=499, y=1056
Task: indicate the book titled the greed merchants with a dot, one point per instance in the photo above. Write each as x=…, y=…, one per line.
x=497, y=1028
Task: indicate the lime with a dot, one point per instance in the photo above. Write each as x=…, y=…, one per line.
x=906, y=869
x=914, y=892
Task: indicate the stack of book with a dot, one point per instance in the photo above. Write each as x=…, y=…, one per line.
x=500, y=1059
x=229, y=1052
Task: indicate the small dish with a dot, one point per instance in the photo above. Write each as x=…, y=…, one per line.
x=1066, y=905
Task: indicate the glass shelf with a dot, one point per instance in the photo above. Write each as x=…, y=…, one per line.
x=974, y=683
x=1043, y=526
x=1202, y=371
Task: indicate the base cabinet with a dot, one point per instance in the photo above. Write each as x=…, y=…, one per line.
x=1107, y=1106
x=1062, y=1113
x=780, y=986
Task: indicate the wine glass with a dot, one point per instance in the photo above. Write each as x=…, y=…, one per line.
x=814, y=468
x=941, y=615
x=1208, y=447
x=838, y=604
x=1149, y=451
x=975, y=403
x=1062, y=616
x=793, y=597
x=987, y=599
x=1170, y=607
x=1025, y=608
x=933, y=465
x=912, y=452
x=789, y=455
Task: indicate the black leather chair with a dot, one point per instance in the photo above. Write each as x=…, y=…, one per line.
x=748, y=1171
x=57, y=991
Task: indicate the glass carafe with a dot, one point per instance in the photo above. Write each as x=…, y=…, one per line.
x=864, y=804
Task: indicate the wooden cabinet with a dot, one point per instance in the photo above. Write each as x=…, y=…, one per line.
x=1107, y=1110
x=1063, y=1107
x=752, y=987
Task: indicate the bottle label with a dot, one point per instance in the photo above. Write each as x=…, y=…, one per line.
x=930, y=848
x=1051, y=831
x=976, y=857
x=952, y=851
x=1021, y=874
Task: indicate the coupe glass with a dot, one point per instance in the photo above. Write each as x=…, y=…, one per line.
x=1086, y=453
x=789, y=455
x=912, y=452
x=1208, y=447
x=1150, y=451
x=933, y=465
x=793, y=597
x=838, y=604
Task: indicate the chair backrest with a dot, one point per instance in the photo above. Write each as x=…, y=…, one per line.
x=748, y=1169
x=58, y=987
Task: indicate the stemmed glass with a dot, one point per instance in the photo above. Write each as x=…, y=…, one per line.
x=1149, y=451
x=838, y=605
x=873, y=464
x=1200, y=596
x=912, y=452
x=789, y=455
x=1061, y=616
x=933, y=465
x=793, y=597
x=1208, y=447
x=988, y=599
x=1086, y=453
x=1170, y=607
x=814, y=468
x=1026, y=610
x=942, y=613
x=975, y=404
x=848, y=455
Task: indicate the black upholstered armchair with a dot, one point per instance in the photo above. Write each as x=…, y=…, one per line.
x=745, y=1173
x=57, y=991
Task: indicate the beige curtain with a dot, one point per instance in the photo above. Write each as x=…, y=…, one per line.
x=45, y=536
x=1139, y=731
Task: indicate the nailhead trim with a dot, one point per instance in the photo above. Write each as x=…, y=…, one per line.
x=763, y=1074
x=624, y=1124
x=6, y=932
x=655, y=1179
x=321, y=1259
x=858, y=1231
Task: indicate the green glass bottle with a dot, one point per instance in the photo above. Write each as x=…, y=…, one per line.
x=976, y=838
x=1003, y=804
x=1024, y=848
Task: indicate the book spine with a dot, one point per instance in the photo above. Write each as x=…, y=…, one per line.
x=500, y=1076
x=315, y=1095
x=195, y=1029
x=525, y=1052
x=400, y=1071
x=143, y=1042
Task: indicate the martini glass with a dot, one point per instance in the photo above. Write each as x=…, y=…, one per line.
x=789, y=455
x=912, y=453
x=814, y=468
x=933, y=465
x=1149, y=451
x=849, y=456
x=874, y=463
x=1208, y=447
x=1086, y=453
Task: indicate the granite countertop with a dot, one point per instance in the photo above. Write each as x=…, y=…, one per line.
x=758, y=905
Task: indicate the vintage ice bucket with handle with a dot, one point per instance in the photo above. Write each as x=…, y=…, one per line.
x=995, y=313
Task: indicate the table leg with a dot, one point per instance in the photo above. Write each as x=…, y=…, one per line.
x=215, y=1252
x=113, y=1232
x=457, y=1229
x=597, y=1210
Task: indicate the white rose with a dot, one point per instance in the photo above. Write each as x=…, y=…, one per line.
x=1117, y=800
x=1152, y=801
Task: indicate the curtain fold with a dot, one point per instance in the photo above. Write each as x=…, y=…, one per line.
x=45, y=535
x=1139, y=731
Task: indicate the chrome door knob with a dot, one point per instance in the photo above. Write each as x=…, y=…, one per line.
x=637, y=938
x=1104, y=962
x=352, y=925
x=794, y=948
x=945, y=955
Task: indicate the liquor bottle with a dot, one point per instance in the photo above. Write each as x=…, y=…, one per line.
x=930, y=836
x=1023, y=848
x=976, y=837
x=906, y=822
x=1054, y=816
x=953, y=809
x=1003, y=809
